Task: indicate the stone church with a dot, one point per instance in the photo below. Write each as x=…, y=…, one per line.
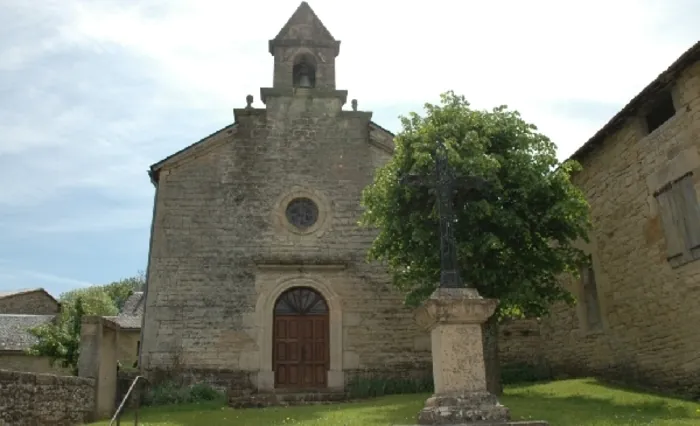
x=257, y=274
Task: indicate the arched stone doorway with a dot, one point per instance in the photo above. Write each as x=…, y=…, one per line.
x=301, y=340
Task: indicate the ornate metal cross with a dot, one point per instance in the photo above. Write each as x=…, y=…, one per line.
x=445, y=184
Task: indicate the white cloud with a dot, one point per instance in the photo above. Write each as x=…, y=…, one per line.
x=525, y=54
x=34, y=279
x=185, y=64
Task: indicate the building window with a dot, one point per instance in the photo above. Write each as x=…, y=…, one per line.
x=302, y=213
x=591, y=304
x=680, y=215
x=138, y=347
x=661, y=111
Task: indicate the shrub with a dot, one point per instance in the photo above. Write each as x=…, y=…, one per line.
x=360, y=387
x=169, y=393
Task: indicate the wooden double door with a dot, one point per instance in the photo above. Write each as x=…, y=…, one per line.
x=301, y=340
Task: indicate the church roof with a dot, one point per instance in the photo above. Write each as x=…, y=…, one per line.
x=657, y=86
x=304, y=25
x=303, y=28
x=154, y=170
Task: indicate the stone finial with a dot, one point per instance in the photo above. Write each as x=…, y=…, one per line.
x=354, y=104
x=249, y=102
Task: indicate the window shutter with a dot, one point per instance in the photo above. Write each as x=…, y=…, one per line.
x=691, y=211
x=670, y=220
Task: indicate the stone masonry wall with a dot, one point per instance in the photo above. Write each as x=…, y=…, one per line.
x=649, y=309
x=30, y=303
x=28, y=399
x=19, y=361
x=128, y=346
x=520, y=342
x=219, y=215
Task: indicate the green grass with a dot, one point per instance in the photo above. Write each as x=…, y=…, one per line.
x=582, y=402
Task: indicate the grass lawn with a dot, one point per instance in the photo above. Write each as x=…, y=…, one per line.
x=582, y=402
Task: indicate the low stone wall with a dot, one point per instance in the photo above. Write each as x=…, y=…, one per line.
x=32, y=399
x=520, y=342
x=220, y=379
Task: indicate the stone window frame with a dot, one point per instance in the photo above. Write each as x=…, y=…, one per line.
x=590, y=297
x=601, y=283
x=324, y=213
x=674, y=199
x=642, y=116
x=264, y=315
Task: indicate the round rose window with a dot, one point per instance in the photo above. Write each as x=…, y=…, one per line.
x=302, y=213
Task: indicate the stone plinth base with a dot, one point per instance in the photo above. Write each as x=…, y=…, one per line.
x=454, y=317
x=468, y=407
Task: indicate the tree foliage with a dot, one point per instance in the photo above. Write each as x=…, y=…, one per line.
x=60, y=340
x=513, y=239
x=120, y=290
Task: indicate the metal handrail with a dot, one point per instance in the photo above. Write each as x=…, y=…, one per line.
x=120, y=409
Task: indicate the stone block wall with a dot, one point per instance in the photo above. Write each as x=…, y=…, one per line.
x=19, y=361
x=127, y=349
x=520, y=342
x=29, y=303
x=29, y=399
x=220, y=231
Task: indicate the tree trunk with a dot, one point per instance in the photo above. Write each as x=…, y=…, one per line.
x=489, y=332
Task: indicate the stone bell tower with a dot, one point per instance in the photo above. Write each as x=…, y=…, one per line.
x=304, y=52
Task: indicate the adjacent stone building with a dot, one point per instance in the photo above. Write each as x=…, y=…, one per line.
x=257, y=274
x=129, y=321
x=19, y=311
x=637, y=315
x=35, y=301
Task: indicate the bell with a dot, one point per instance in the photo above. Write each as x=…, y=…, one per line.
x=304, y=80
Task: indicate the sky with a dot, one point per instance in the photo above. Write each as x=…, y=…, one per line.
x=92, y=92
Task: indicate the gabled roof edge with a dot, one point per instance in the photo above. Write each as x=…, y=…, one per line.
x=302, y=5
x=661, y=82
x=155, y=168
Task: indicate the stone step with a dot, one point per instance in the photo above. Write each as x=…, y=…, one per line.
x=247, y=399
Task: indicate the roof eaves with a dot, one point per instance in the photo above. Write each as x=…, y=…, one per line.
x=153, y=171
x=659, y=84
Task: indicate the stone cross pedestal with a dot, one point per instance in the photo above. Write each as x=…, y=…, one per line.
x=454, y=317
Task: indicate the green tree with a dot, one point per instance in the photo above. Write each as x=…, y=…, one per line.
x=60, y=340
x=96, y=300
x=514, y=239
x=120, y=290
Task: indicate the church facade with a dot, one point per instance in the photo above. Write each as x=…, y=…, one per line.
x=257, y=273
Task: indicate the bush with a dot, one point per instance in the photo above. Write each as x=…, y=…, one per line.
x=372, y=387
x=169, y=393
x=512, y=374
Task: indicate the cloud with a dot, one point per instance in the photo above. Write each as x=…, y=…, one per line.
x=94, y=91
x=34, y=279
x=91, y=85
